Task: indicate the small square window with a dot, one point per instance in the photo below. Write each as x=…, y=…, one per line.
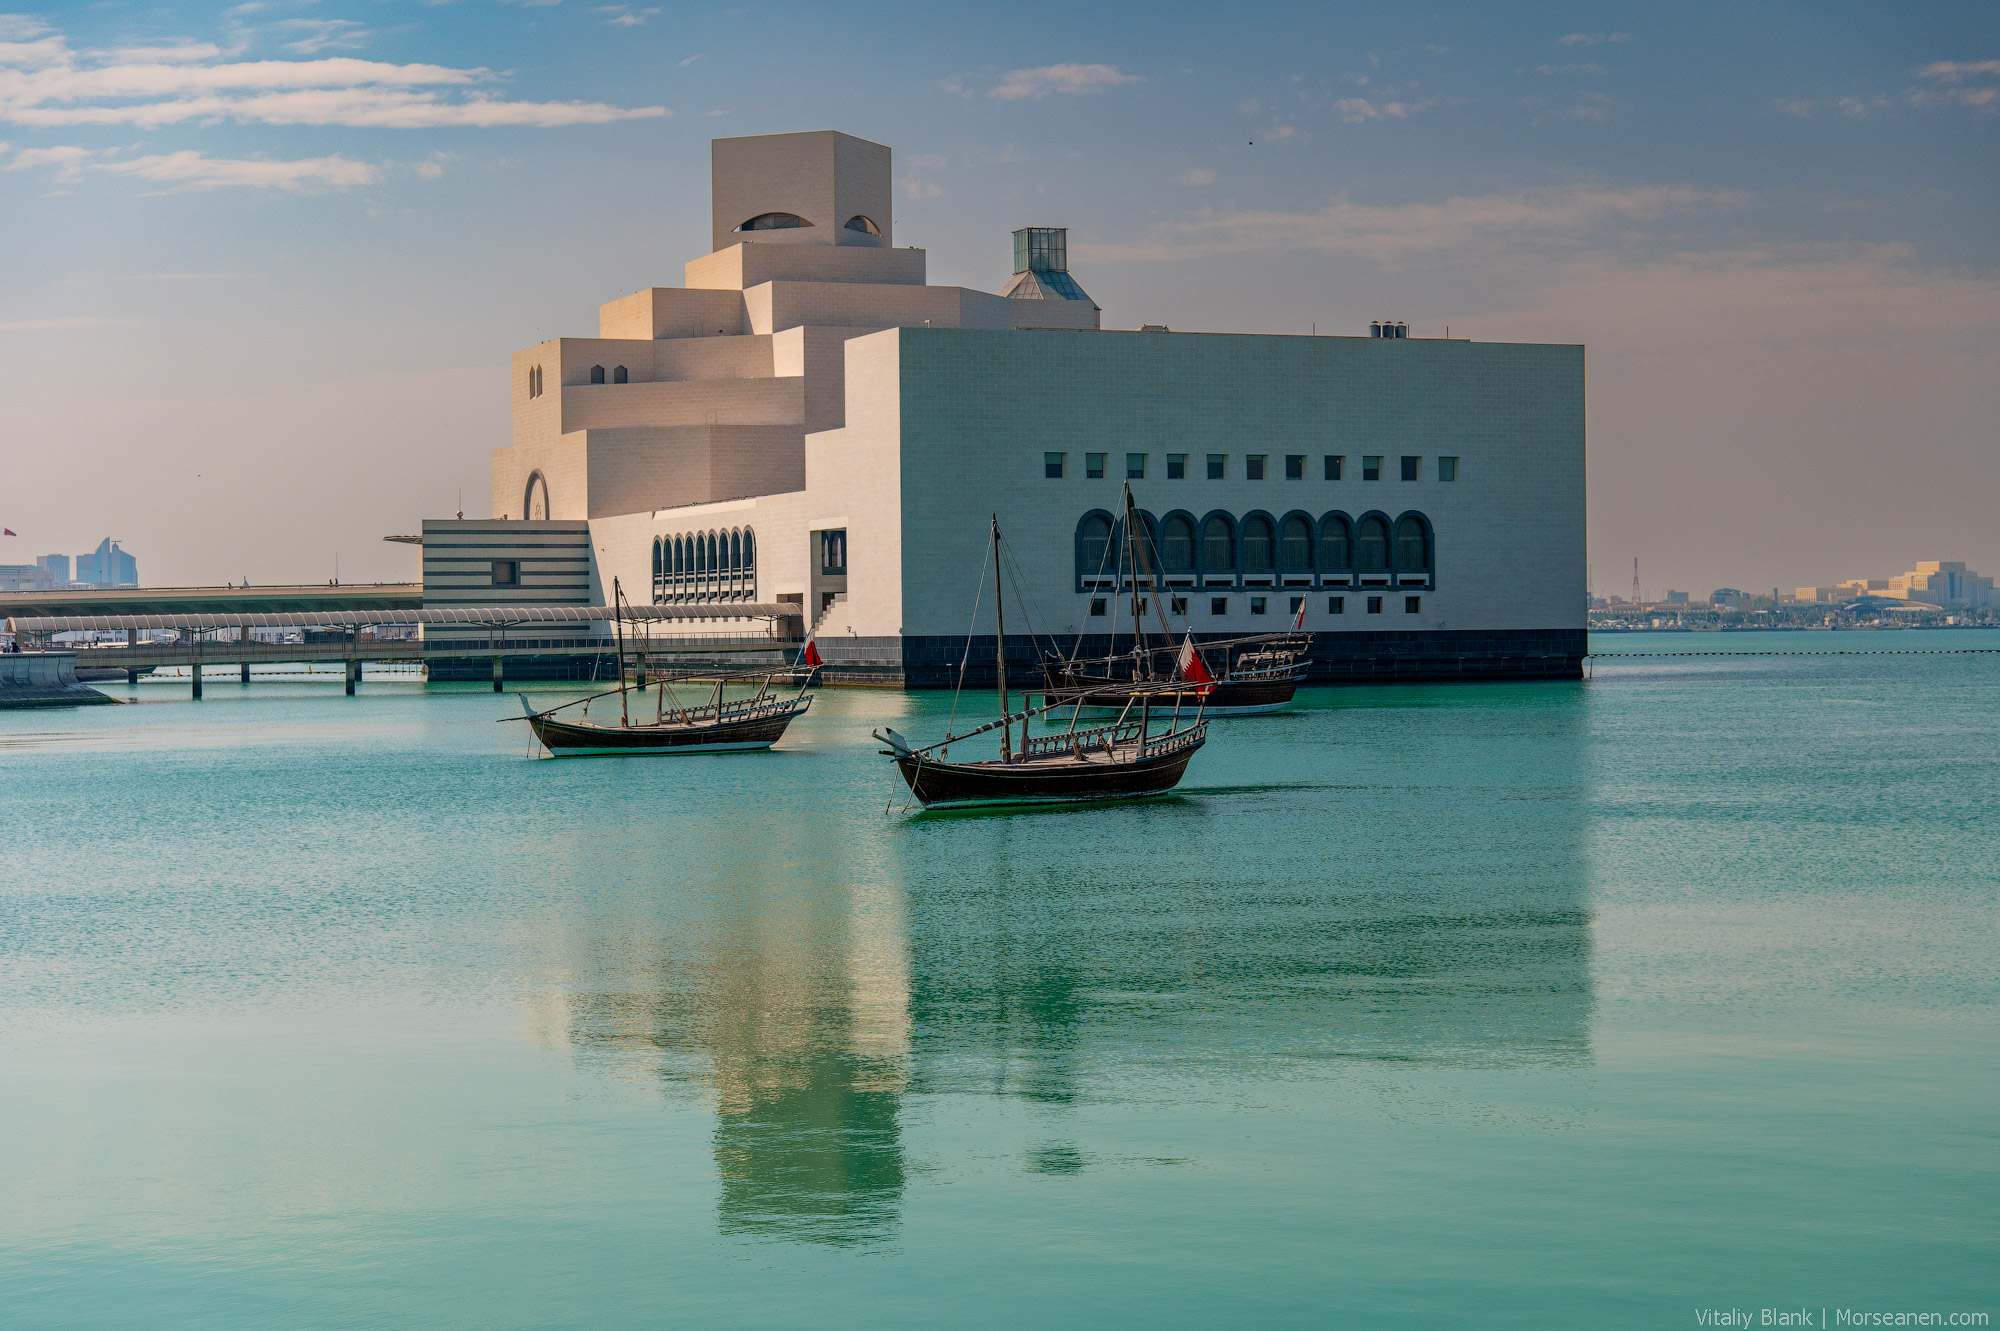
x=1412, y=604
x=1371, y=466
x=1295, y=466
x=1218, y=466
x=1093, y=466
x=1447, y=469
x=1253, y=467
x=1336, y=605
x=1097, y=605
x=1335, y=462
x=506, y=573
x=1135, y=466
x=1374, y=605
x=1298, y=603
x=1218, y=605
x=1256, y=605
x=1052, y=465
x=1412, y=467
x=1143, y=603
x=1177, y=606
x=1176, y=466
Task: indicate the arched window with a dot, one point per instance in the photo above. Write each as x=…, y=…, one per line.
x=1147, y=557
x=1093, y=547
x=1413, y=544
x=1177, y=544
x=597, y=374
x=863, y=224
x=1218, y=545
x=735, y=552
x=1295, y=545
x=534, y=381
x=535, y=502
x=774, y=222
x=749, y=564
x=1336, y=544
x=618, y=376
x=1259, y=545
x=1373, y=545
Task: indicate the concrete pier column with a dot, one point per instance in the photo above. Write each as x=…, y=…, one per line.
x=353, y=676
x=499, y=672
x=243, y=636
x=131, y=677
x=197, y=679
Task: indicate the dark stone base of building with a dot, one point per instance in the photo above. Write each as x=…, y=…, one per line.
x=1336, y=658
x=933, y=663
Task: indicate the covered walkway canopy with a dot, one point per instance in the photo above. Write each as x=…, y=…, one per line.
x=212, y=600
x=490, y=616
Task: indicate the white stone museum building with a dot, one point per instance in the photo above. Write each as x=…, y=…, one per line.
x=807, y=420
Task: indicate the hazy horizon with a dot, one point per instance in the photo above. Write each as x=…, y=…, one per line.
x=271, y=258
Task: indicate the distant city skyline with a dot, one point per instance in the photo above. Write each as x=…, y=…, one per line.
x=281, y=257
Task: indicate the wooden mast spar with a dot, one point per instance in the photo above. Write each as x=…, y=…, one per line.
x=1000, y=654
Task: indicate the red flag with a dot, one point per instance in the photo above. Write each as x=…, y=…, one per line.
x=809, y=654
x=8, y=531
x=1299, y=620
x=1192, y=668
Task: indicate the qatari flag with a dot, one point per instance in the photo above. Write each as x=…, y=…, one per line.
x=809, y=654
x=1191, y=666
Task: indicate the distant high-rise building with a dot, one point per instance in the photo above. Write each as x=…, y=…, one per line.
x=107, y=566
x=56, y=566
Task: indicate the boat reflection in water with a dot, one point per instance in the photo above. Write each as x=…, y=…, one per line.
x=811, y=991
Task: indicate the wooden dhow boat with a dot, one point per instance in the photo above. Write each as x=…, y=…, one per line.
x=1123, y=760
x=715, y=725
x=1236, y=676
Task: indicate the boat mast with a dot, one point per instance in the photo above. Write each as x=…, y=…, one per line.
x=1000, y=649
x=1142, y=663
x=618, y=626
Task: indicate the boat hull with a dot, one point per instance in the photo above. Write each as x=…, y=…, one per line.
x=570, y=739
x=972, y=785
x=1230, y=697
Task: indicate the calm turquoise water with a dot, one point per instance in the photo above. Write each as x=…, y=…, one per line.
x=1518, y=1005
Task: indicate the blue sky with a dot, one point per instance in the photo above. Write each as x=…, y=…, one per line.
x=267, y=261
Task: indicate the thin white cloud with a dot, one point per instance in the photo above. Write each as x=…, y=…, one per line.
x=1394, y=233
x=690, y=60
x=1951, y=71
x=625, y=16
x=1199, y=175
x=324, y=34
x=1592, y=38
x=40, y=54
x=1048, y=79
x=192, y=83
x=67, y=161
x=1355, y=110
x=1793, y=106
x=1581, y=67
x=920, y=189
x=192, y=171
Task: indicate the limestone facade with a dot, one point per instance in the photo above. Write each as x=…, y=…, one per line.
x=809, y=396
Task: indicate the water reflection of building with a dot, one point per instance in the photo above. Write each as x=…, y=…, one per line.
x=807, y=989
x=791, y=1018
